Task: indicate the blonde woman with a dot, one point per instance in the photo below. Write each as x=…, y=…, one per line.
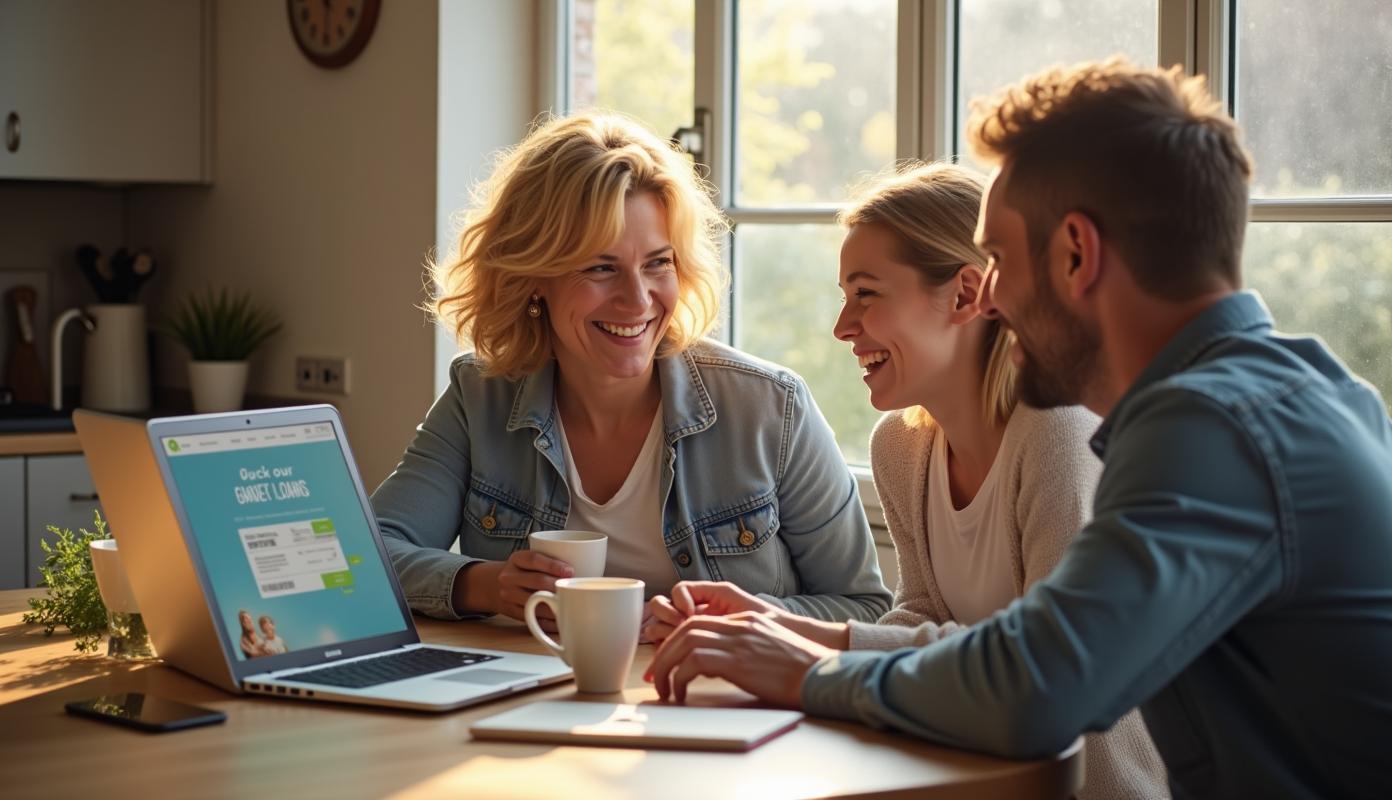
x=252, y=646
x=584, y=282
x=981, y=494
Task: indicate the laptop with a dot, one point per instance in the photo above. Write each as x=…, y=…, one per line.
x=646, y=725
x=258, y=566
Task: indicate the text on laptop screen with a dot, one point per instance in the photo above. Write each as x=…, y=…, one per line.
x=283, y=538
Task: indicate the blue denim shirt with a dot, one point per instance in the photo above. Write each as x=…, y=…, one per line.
x=1236, y=583
x=746, y=451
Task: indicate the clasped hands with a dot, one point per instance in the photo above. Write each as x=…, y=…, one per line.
x=718, y=630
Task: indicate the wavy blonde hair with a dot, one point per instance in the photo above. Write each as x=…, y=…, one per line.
x=931, y=210
x=553, y=203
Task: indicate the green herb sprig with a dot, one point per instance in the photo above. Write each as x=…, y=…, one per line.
x=218, y=326
x=73, y=600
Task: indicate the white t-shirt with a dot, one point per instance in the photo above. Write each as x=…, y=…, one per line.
x=632, y=519
x=971, y=547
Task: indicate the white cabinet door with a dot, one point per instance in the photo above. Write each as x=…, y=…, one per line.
x=12, y=522
x=60, y=493
x=106, y=91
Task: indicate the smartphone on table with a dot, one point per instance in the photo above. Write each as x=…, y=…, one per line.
x=140, y=710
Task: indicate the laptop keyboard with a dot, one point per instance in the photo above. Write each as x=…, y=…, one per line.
x=388, y=668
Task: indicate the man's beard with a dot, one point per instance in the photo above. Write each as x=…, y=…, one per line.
x=1061, y=354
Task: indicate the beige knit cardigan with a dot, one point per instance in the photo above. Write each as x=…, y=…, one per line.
x=1051, y=473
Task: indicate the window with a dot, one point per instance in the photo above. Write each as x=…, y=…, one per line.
x=1004, y=40
x=814, y=115
x=634, y=56
x=802, y=100
x=1311, y=86
x=814, y=100
x=1332, y=278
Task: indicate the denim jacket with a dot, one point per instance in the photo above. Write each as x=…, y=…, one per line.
x=1236, y=583
x=754, y=489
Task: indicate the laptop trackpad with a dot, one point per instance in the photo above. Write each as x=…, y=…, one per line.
x=486, y=676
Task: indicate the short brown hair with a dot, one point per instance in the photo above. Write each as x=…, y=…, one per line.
x=931, y=210
x=552, y=203
x=1146, y=154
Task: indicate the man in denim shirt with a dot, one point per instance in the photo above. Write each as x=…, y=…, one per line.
x=1236, y=581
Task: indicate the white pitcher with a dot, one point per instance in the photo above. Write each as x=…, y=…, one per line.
x=115, y=361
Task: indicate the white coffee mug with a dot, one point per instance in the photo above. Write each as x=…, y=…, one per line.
x=583, y=550
x=598, y=619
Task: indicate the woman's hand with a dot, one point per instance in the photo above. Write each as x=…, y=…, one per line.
x=716, y=599
x=502, y=587
x=660, y=618
x=692, y=598
x=689, y=598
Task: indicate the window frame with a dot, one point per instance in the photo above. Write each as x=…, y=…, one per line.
x=1197, y=34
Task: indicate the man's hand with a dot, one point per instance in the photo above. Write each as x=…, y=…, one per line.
x=746, y=649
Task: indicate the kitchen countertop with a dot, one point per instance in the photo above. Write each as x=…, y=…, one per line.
x=30, y=444
x=50, y=432
x=31, y=418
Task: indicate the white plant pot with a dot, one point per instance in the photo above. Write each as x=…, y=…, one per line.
x=217, y=385
x=126, y=633
x=112, y=583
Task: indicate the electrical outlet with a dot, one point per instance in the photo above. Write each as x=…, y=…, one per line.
x=307, y=374
x=333, y=375
x=321, y=374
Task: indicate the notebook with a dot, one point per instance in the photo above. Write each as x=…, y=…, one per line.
x=642, y=725
x=258, y=566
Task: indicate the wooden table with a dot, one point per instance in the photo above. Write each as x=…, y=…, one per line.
x=272, y=748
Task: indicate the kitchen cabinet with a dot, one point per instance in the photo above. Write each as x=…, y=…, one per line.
x=98, y=91
x=60, y=492
x=37, y=491
x=12, y=542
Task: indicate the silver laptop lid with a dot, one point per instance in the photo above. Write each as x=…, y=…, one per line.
x=282, y=536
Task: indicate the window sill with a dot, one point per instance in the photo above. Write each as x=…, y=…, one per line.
x=871, y=500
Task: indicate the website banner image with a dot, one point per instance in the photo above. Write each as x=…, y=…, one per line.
x=283, y=538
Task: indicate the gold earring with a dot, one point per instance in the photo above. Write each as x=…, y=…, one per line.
x=534, y=307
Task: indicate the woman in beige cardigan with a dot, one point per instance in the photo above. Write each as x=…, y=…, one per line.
x=981, y=494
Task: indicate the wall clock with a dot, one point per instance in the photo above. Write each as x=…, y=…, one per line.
x=332, y=33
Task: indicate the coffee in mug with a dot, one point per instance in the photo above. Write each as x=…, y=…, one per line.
x=598, y=619
x=583, y=550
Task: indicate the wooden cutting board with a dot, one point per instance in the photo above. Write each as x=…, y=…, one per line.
x=23, y=372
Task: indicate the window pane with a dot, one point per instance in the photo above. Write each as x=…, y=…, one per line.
x=815, y=98
x=786, y=305
x=1333, y=279
x=1002, y=41
x=635, y=56
x=1314, y=85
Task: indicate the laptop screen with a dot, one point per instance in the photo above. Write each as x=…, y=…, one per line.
x=287, y=550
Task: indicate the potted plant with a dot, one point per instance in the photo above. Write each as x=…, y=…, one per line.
x=75, y=597
x=220, y=331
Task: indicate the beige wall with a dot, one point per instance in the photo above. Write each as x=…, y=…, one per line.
x=323, y=206
x=490, y=54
